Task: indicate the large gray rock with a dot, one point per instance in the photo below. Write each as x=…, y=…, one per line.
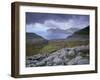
x=58, y=61
x=82, y=48
x=66, y=60
x=49, y=63
x=41, y=63
x=83, y=61
x=74, y=60
x=71, y=53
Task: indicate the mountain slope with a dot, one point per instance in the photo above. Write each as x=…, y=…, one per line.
x=84, y=31
x=80, y=34
x=72, y=30
x=57, y=30
x=67, y=31
x=33, y=38
x=34, y=43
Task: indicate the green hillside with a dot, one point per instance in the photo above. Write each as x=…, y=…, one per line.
x=84, y=31
x=34, y=43
x=32, y=36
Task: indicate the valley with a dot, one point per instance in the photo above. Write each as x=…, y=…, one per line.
x=42, y=48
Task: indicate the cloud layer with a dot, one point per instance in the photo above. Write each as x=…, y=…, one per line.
x=40, y=23
x=50, y=23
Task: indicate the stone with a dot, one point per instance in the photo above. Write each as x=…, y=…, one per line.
x=74, y=60
x=66, y=61
x=83, y=61
x=41, y=63
x=57, y=61
x=49, y=63
x=71, y=53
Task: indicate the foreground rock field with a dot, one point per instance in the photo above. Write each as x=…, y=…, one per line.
x=66, y=56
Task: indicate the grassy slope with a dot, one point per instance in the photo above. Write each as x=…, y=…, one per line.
x=34, y=43
x=53, y=46
x=84, y=31
x=32, y=35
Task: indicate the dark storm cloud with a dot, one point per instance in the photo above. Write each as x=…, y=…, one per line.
x=37, y=22
x=32, y=18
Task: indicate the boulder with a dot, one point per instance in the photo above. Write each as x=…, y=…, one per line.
x=83, y=61
x=71, y=53
x=58, y=61
x=41, y=63
x=74, y=60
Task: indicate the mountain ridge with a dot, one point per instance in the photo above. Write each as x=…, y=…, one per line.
x=66, y=31
x=80, y=34
x=32, y=35
x=32, y=38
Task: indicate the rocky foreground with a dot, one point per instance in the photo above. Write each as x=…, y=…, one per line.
x=66, y=56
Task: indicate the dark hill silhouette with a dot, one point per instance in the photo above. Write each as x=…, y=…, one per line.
x=32, y=38
x=80, y=34
x=84, y=31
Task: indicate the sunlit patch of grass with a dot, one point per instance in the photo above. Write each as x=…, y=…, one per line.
x=52, y=46
x=49, y=48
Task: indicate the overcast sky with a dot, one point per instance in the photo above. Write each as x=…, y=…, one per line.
x=36, y=22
